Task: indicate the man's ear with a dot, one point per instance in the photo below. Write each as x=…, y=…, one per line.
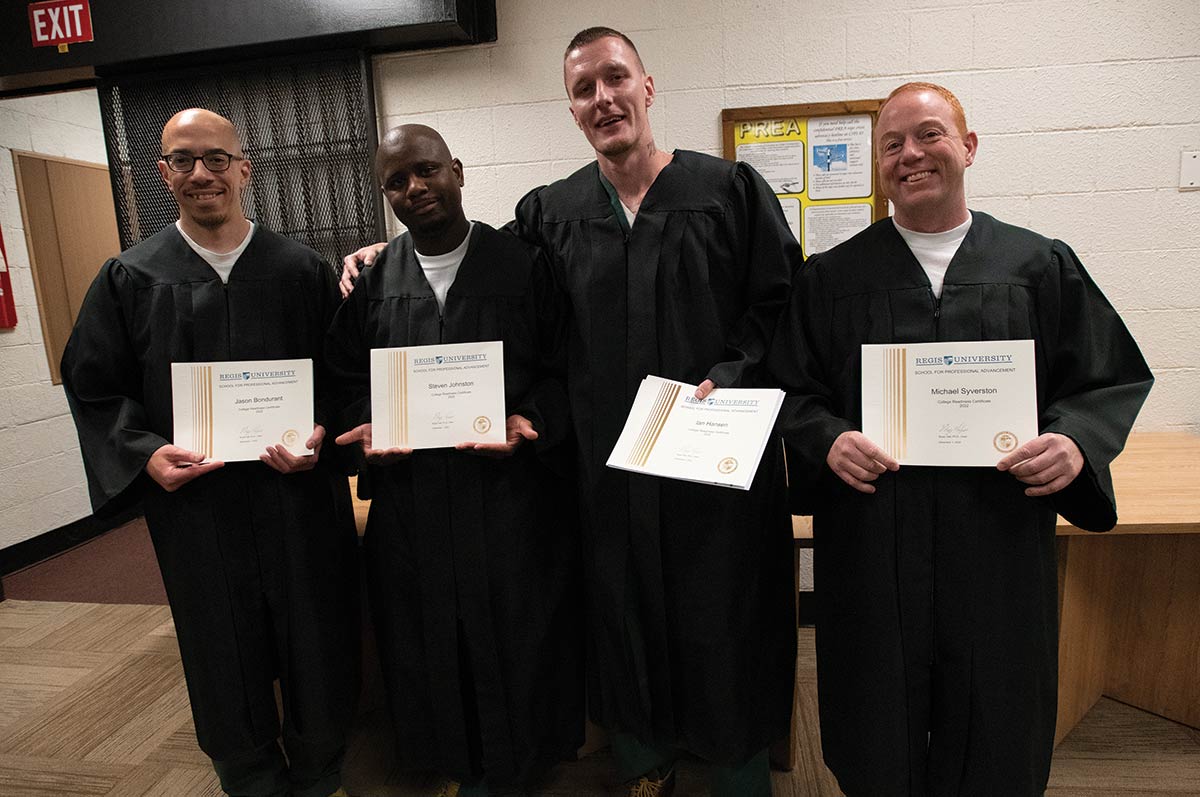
x=971, y=142
x=456, y=167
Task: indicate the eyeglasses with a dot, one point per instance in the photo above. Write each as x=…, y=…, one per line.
x=217, y=161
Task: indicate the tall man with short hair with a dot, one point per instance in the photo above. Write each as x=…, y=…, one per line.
x=258, y=558
x=677, y=264
x=937, y=611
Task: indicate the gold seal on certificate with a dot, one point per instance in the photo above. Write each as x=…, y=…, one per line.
x=231, y=411
x=963, y=403
x=671, y=433
x=437, y=396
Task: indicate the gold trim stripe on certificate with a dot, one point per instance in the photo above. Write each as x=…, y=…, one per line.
x=652, y=428
x=202, y=409
x=398, y=396
x=895, y=401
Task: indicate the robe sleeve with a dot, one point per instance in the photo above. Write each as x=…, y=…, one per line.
x=547, y=404
x=768, y=252
x=103, y=381
x=527, y=219
x=1097, y=382
x=799, y=364
x=348, y=362
x=326, y=409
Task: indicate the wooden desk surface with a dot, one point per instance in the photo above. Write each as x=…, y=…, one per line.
x=1157, y=478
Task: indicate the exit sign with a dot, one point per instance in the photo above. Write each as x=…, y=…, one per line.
x=60, y=22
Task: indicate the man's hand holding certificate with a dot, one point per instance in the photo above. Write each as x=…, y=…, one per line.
x=966, y=404
x=718, y=439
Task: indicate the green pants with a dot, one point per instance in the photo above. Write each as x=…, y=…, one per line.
x=264, y=772
x=750, y=779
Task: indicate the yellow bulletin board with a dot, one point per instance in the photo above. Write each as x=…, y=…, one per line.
x=818, y=159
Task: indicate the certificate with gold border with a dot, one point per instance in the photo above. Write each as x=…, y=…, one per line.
x=437, y=396
x=715, y=440
x=231, y=411
x=965, y=403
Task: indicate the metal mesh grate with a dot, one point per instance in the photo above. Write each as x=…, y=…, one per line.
x=306, y=127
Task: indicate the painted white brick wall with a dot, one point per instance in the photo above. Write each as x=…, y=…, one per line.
x=42, y=484
x=1082, y=108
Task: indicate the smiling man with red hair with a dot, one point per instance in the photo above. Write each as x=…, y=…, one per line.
x=936, y=586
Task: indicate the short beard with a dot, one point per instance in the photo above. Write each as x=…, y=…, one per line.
x=211, y=221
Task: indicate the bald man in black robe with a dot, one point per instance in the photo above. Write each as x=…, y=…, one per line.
x=258, y=558
x=936, y=586
x=472, y=553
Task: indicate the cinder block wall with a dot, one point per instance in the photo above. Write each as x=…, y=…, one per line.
x=1082, y=109
x=42, y=484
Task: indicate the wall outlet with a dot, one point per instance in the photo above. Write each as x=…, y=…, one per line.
x=1189, y=170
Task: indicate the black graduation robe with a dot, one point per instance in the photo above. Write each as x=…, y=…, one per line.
x=260, y=568
x=936, y=596
x=689, y=586
x=472, y=562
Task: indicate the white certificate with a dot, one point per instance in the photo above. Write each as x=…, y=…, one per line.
x=715, y=440
x=437, y=396
x=967, y=403
x=231, y=411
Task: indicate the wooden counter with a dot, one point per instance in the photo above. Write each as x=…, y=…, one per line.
x=1129, y=599
x=1157, y=479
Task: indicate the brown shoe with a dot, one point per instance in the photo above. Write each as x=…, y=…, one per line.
x=649, y=786
x=449, y=789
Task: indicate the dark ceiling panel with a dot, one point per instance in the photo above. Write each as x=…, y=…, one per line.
x=141, y=35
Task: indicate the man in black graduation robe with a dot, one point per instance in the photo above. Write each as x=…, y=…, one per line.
x=936, y=586
x=678, y=265
x=472, y=553
x=258, y=558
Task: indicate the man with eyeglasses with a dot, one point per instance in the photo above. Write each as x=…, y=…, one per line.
x=258, y=558
x=937, y=586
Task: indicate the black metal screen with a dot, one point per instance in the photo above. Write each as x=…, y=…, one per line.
x=306, y=126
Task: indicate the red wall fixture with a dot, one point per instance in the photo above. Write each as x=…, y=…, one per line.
x=8, y=310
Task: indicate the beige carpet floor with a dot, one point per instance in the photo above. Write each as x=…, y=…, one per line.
x=93, y=704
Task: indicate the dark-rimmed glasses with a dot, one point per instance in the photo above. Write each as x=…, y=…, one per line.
x=217, y=161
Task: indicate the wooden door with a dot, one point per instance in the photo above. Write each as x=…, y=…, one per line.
x=71, y=229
